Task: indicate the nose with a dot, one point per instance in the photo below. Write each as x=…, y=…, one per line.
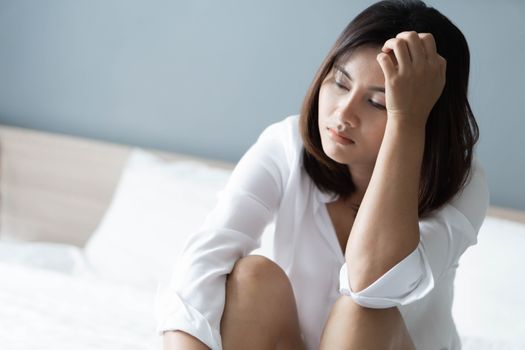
x=348, y=109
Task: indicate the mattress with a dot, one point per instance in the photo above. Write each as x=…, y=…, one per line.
x=46, y=304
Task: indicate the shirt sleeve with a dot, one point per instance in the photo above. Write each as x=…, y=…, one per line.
x=194, y=299
x=444, y=236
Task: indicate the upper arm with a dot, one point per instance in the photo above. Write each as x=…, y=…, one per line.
x=449, y=232
x=255, y=188
x=473, y=200
x=244, y=208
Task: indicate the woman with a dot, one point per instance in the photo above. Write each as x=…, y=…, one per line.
x=374, y=194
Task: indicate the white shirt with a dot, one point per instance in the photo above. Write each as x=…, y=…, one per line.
x=270, y=186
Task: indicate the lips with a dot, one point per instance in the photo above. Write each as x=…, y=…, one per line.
x=339, y=138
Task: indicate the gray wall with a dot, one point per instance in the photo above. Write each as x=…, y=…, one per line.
x=205, y=77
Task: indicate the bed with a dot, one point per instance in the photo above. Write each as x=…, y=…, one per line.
x=90, y=229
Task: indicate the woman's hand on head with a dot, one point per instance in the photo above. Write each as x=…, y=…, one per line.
x=414, y=76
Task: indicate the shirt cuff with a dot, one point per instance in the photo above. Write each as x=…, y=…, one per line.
x=409, y=280
x=173, y=313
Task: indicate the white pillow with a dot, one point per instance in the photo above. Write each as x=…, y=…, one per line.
x=156, y=206
x=489, y=297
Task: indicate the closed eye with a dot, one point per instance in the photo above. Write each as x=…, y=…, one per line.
x=377, y=105
x=341, y=86
x=339, y=79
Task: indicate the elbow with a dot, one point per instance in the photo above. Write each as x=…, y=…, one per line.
x=359, y=282
x=362, y=273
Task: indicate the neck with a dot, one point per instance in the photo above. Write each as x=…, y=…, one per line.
x=361, y=178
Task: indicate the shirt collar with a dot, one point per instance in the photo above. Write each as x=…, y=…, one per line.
x=326, y=197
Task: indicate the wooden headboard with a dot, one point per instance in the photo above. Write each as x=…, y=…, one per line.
x=56, y=187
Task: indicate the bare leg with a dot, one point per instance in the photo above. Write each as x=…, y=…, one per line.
x=351, y=326
x=174, y=340
x=260, y=311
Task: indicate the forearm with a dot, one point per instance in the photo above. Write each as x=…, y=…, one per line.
x=386, y=227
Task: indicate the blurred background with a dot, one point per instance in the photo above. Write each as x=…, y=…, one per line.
x=206, y=77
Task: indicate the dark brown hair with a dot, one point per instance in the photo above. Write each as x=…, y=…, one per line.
x=451, y=130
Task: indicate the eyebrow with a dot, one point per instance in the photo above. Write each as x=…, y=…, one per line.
x=371, y=88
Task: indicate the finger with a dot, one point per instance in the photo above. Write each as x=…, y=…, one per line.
x=443, y=67
x=429, y=44
x=400, y=49
x=415, y=46
x=387, y=65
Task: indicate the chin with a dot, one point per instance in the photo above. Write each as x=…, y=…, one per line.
x=336, y=155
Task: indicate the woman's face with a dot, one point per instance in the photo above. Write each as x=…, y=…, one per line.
x=352, y=113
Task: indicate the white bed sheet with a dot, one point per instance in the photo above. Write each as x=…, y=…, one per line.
x=42, y=307
x=489, y=296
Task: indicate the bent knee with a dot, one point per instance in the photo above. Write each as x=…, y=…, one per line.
x=259, y=271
